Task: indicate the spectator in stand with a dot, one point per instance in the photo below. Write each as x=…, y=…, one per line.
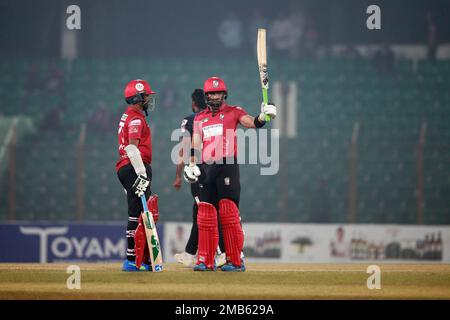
x=53, y=119
x=33, y=83
x=55, y=78
x=285, y=35
x=432, y=37
x=230, y=32
x=311, y=39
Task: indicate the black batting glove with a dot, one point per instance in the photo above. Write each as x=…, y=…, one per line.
x=140, y=185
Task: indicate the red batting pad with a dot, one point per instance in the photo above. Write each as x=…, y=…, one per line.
x=208, y=233
x=233, y=234
x=140, y=244
x=152, y=204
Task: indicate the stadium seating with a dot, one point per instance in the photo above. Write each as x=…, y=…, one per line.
x=313, y=181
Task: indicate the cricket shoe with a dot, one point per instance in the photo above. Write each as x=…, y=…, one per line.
x=186, y=259
x=130, y=266
x=230, y=267
x=202, y=267
x=221, y=259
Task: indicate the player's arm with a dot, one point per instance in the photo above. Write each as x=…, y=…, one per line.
x=196, y=147
x=179, y=169
x=192, y=171
x=257, y=122
x=248, y=121
x=134, y=155
x=142, y=182
x=185, y=145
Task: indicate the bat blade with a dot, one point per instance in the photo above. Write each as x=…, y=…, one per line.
x=152, y=241
x=262, y=64
x=262, y=58
x=152, y=238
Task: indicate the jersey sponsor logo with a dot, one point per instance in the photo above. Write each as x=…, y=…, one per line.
x=213, y=130
x=139, y=86
x=124, y=117
x=135, y=122
x=133, y=129
x=222, y=116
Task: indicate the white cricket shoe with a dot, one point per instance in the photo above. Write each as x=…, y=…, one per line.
x=221, y=259
x=186, y=259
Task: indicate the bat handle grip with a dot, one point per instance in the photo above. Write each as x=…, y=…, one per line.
x=144, y=203
x=266, y=101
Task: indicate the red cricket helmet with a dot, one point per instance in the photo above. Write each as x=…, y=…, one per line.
x=214, y=84
x=135, y=89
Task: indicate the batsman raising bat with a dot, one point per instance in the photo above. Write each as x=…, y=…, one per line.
x=214, y=133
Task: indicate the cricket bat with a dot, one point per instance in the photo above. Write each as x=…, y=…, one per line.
x=152, y=237
x=262, y=64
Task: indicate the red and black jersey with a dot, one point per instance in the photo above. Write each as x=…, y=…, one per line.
x=218, y=132
x=133, y=125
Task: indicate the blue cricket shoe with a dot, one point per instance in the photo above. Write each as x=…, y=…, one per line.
x=203, y=267
x=230, y=267
x=130, y=266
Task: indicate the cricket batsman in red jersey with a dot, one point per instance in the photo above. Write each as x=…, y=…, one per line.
x=215, y=135
x=133, y=167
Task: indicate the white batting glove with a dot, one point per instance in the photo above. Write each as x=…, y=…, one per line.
x=191, y=173
x=269, y=110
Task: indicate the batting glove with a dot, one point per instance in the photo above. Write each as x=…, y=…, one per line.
x=191, y=173
x=269, y=110
x=140, y=185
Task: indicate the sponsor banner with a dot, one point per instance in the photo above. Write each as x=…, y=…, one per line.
x=264, y=242
x=177, y=235
x=324, y=243
x=328, y=243
x=71, y=242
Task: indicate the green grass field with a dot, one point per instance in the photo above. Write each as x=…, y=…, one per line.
x=260, y=281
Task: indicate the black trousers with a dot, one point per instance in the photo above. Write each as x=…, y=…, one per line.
x=127, y=177
x=217, y=181
x=220, y=181
x=192, y=244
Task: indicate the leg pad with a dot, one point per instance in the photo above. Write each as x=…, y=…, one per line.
x=233, y=234
x=140, y=244
x=208, y=233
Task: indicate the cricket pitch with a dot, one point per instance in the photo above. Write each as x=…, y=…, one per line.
x=259, y=282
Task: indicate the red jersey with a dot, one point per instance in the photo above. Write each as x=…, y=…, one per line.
x=133, y=125
x=218, y=132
